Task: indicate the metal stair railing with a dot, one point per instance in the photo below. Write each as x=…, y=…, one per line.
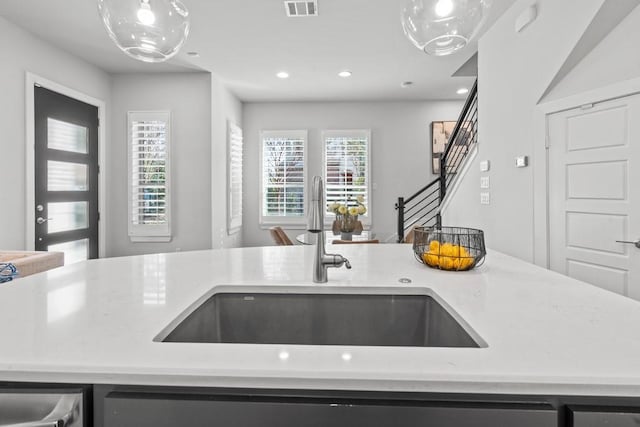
x=423, y=207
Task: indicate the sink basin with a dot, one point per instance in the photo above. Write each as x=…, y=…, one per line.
x=321, y=318
x=40, y=409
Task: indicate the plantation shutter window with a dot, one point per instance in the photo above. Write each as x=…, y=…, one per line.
x=283, y=177
x=347, y=168
x=149, y=176
x=235, y=147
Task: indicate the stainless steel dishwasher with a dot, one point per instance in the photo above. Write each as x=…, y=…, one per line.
x=40, y=408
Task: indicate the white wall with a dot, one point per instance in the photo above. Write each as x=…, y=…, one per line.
x=400, y=150
x=22, y=52
x=614, y=59
x=514, y=71
x=224, y=106
x=188, y=97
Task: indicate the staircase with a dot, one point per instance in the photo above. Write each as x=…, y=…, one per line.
x=423, y=207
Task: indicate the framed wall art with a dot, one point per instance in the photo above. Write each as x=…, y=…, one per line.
x=440, y=133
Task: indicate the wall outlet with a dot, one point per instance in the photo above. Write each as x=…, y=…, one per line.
x=484, y=182
x=484, y=166
x=485, y=198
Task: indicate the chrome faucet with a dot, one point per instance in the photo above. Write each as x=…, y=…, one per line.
x=323, y=260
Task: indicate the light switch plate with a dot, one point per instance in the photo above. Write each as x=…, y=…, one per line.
x=484, y=165
x=484, y=182
x=522, y=161
x=485, y=198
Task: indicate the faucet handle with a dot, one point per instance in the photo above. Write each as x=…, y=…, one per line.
x=339, y=261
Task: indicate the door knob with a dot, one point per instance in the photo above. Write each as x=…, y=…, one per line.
x=636, y=243
x=41, y=220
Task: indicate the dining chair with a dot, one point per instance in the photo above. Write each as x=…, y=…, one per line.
x=346, y=242
x=280, y=237
x=410, y=235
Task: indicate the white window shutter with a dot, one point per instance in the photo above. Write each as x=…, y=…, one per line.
x=234, y=179
x=347, y=168
x=149, y=137
x=283, y=181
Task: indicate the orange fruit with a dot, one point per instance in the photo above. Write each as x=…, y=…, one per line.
x=446, y=263
x=446, y=249
x=430, y=259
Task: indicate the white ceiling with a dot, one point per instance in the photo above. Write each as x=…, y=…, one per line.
x=245, y=42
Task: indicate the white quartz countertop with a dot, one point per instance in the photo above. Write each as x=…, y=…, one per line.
x=95, y=322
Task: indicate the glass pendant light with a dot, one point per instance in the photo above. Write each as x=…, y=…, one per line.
x=441, y=27
x=147, y=30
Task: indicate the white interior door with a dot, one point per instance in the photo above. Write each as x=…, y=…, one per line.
x=594, y=194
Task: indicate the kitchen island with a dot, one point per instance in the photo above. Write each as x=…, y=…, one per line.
x=543, y=334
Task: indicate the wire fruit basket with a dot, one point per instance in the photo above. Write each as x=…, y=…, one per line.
x=449, y=248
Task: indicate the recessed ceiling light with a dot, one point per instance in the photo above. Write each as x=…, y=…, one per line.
x=345, y=73
x=405, y=84
x=283, y=75
x=462, y=91
x=193, y=54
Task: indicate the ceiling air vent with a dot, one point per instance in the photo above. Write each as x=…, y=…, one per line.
x=301, y=8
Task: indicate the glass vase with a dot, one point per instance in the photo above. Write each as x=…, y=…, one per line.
x=347, y=222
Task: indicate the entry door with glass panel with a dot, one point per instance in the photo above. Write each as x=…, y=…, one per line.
x=66, y=176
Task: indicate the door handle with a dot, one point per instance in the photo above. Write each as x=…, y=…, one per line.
x=41, y=220
x=636, y=243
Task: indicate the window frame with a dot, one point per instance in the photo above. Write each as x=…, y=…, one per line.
x=149, y=232
x=367, y=220
x=290, y=221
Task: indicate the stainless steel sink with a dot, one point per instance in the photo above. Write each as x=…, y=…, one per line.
x=33, y=409
x=325, y=317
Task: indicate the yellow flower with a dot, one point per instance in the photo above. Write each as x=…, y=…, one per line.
x=360, y=198
x=353, y=211
x=342, y=210
x=362, y=210
x=333, y=207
